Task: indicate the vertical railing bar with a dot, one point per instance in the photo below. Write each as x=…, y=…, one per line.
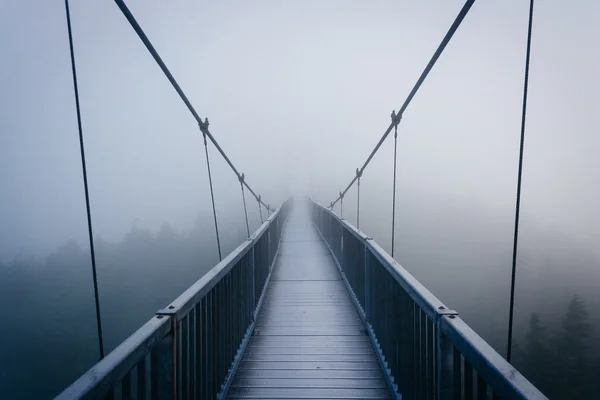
x=199, y=348
x=456, y=368
x=430, y=358
x=211, y=344
x=482, y=388
x=126, y=387
x=222, y=339
x=445, y=374
x=367, y=288
x=184, y=357
x=154, y=373
x=206, y=359
x=230, y=331
x=468, y=377
x=141, y=379
x=423, y=344
x=192, y=352
x=177, y=365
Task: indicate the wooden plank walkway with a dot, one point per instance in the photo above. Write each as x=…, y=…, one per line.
x=309, y=341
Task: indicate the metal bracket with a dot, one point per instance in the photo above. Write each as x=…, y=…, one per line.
x=241, y=177
x=203, y=128
x=169, y=311
x=396, y=118
x=442, y=311
x=358, y=173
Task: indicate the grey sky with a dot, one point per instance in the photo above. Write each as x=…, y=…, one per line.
x=297, y=94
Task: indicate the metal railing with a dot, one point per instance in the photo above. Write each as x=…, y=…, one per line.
x=426, y=350
x=192, y=347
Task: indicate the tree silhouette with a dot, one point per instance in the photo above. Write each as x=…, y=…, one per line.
x=535, y=363
x=571, y=353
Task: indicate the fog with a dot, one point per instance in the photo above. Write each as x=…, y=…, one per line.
x=297, y=95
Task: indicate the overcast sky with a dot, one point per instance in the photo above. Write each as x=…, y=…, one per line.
x=297, y=93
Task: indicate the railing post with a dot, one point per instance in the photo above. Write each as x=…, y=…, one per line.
x=166, y=362
x=367, y=282
x=274, y=225
x=444, y=362
x=340, y=246
x=253, y=278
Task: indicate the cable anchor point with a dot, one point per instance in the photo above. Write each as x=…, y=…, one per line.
x=396, y=118
x=204, y=128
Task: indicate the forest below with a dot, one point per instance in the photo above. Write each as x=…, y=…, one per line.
x=50, y=301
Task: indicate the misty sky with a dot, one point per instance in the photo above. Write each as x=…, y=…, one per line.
x=297, y=94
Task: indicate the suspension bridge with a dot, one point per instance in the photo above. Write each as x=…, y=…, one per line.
x=308, y=306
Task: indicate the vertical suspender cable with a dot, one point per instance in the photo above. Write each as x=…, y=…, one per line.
x=341, y=205
x=518, y=202
x=203, y=128
x=244, y=199
x=358, y=174
x=85, y=183
x=260, y=210
x=395, y=121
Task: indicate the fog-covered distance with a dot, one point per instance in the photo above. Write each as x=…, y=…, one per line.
x=297, y=94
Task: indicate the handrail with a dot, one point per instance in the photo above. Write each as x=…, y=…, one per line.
x=498, y=372
x=190, y=297
x=420, y=294
x=192, y=345
x=111, y=369
x=425, y=347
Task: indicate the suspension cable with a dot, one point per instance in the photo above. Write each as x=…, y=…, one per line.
x=519, y=176
x=358, y=175
x=395, y=120
x=140, y=32
x=260, y=210
x=203, y=128
x=85, y=183
x=244, y=199
x=460, y=17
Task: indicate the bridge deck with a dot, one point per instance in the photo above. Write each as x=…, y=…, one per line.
x=309, y=341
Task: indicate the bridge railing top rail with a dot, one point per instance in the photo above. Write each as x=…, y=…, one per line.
x=426, y=300
x=182, y=305
x=109, y=371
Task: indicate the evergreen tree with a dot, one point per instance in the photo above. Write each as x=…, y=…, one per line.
x=573, y=361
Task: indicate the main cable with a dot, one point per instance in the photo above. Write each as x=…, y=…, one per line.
x=459, y=18
x=140, y=32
